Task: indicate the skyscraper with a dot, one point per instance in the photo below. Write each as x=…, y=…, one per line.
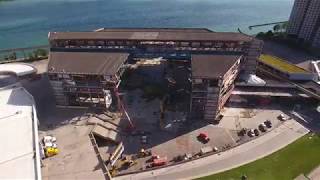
x=304, y=22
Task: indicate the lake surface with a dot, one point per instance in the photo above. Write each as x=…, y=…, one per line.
x=27, y=22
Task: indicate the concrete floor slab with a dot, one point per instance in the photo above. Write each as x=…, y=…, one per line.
x=76, y=158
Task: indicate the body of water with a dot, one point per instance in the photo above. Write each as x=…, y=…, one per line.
x=27, y=22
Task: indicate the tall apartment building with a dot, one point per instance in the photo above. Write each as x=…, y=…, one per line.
x=316, y=41
x=297, y=15
x=304, y=22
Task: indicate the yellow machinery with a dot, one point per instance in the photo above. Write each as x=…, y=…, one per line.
x=50, y=151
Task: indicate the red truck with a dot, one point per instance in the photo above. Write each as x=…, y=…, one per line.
x=203, y=137
x=159, y=162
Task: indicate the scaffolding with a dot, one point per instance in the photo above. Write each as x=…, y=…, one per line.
x=210, y=93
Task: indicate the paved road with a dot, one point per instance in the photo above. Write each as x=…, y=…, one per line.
x=248, y=152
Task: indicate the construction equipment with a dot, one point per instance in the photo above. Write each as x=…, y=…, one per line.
x=267, y=24
x=116, y=154
x=50, y=147
x=122, y=108
x=144, y=153
x=113, y=171
x=127, y=162
x=50, y=151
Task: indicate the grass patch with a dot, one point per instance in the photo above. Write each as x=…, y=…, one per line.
x=300, y=157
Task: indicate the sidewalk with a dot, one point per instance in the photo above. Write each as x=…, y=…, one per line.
x=243, y=154
x=314, y=174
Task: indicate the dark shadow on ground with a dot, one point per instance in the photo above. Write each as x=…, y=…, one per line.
x=308, y=117
x=294, y=56
x=50, y=117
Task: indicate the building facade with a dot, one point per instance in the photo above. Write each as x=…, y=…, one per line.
x=85, y=78
x=213, y=79
x=304, y=22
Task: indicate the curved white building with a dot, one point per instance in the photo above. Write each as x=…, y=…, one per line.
x=20, y=155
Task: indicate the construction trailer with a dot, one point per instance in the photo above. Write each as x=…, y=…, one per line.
x=213, y=79
x=85, y=78
x=177, y=43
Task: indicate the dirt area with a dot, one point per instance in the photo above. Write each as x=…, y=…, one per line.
x=41, y=66
x=171, y=137
x=236, y=118
x=76, y=158
x=183, y=139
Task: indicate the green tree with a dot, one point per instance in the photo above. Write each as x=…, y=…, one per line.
x=41, y=52
x=269, y=34
x=31, y=56
x=284, y=26
x=277, y=28
x=13, y=56
x=6, y=57
x=260, y=35
x=36, y=54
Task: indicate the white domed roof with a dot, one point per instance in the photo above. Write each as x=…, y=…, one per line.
x=20, y=69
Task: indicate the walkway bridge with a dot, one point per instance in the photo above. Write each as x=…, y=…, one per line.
x=289, y=73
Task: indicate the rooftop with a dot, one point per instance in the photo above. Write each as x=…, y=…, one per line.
x=154, y=30
x=86, y=62
x=20, y=69
x=19, y=150
x=306, y=65
x=152, y=35
x=281, y=64
x=212, y=66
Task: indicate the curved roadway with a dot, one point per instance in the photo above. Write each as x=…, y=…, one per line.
x=273, y=141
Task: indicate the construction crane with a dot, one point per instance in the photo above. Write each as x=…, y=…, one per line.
x=267, y=24
x=122, y=109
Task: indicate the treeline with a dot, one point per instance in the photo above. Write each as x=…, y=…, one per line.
x=30, y=56
x=279, y=35
x=279, y=31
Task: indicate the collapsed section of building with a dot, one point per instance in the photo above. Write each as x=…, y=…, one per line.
x=85, y=68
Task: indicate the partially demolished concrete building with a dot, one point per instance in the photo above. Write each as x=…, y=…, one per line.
x=85, y=78
x=86, y=67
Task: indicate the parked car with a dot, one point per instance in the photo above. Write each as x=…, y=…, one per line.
x=262, y=127
x=256, y=132
x=242, y=132
x=268, y=123
x=282, y=117
x=251, y=133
